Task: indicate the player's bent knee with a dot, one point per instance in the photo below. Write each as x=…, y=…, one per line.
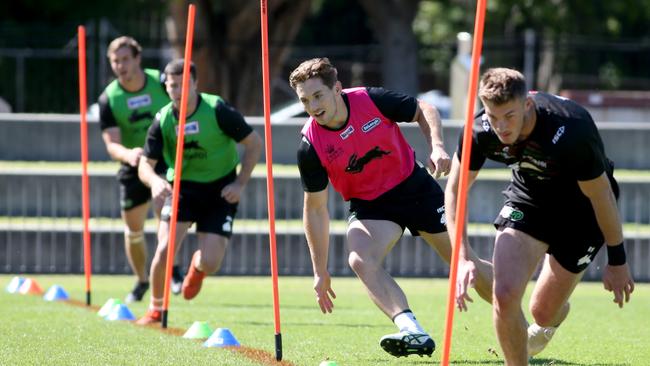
x=134, y=237
x=506, y=297
x=355, y=262
x=543, y=315
x=209, y=265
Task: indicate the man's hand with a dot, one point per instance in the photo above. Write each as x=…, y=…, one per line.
x=133, y=156
x=465, y=280
x=232, y=192
x=617, y=279
x=439, y=162
x=160, y=188
x=323, y=293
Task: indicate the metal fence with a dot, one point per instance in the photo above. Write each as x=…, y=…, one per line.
x=41, y=228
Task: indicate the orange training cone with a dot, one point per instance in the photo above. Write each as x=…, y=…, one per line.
x=30, y=286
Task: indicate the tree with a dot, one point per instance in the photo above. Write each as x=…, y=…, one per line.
x=227, y=47
x=392, y=23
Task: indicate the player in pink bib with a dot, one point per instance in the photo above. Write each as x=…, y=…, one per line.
x=353, y=141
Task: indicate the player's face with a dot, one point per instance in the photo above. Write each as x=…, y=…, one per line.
x=318, y=100
x=507, y=119
x=124, y=65
x=174, y=86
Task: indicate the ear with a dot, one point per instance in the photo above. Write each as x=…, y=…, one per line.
x=338, y=88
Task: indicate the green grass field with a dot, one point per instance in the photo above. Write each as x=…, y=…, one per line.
x=37, y=332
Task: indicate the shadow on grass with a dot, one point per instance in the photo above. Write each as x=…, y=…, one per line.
x=266, y=306
x=553, y=362
x=536, y=361
x=311, y=324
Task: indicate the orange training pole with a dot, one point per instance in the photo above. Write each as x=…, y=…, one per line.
x=464, y=173
x=171, y=251
x=85, y=204
x=269, y=177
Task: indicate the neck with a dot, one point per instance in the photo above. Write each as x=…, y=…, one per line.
x=135, y=83
x=530, y=119
x=192, y=103
x=341, y=114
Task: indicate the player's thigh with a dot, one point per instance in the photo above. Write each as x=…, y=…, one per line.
x=516, y=256
x=440, y=243
x=163, y=235
x=554, y=285
x=371, y=240
x=135, y=217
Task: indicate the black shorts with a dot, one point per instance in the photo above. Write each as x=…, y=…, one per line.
x=133, y=192
x=571, y=231
x=417, y=203
x=201, y=203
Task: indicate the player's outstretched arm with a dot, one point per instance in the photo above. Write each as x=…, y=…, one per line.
x=428, y=119
x=467, y=268
x=160, y=188
x=316, y=222
x=616, y=277
x=251, y=155
x=117, y=151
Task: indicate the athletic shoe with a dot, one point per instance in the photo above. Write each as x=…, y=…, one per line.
x=193, y=280
x=137, y=293
x=151, y=317
x=177, y=280
x=538, y=338
x=406, y=343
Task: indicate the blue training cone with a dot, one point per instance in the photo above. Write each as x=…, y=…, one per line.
x=120, y=312
x=222, y=337
x=56, y=293
x=15, y=284
x=107, y=307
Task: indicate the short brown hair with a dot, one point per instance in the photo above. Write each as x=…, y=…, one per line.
x=314, y=68
x=501, y=85
x=124, y=41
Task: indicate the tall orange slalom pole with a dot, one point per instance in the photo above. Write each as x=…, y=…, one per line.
x=178, y=164
x=464, y=174
x=85, y=196
x=269, y=177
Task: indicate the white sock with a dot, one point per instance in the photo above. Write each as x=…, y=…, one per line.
x=406, y=321
x=156, y=304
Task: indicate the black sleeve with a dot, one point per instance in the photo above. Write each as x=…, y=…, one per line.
x=232, y=122
x=396, y=106
x=312, y=173
x=585, y=154
x=477, y=158
x=153, y=145
x=106, y=117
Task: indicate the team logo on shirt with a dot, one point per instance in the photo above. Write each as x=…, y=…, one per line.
x=333, y=152
x=139, y=101
x=558, y=134
x=191, y=128
x=486, y=122
x=348, y=131
x=192, y=150
x=511, y=213
x=370, y=125
x=356, y=165
x=136, y=116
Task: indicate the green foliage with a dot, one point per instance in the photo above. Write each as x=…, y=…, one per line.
x=39, y=332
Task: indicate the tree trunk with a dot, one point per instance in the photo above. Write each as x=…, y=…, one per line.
x=227, y=45
x=392, y=21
